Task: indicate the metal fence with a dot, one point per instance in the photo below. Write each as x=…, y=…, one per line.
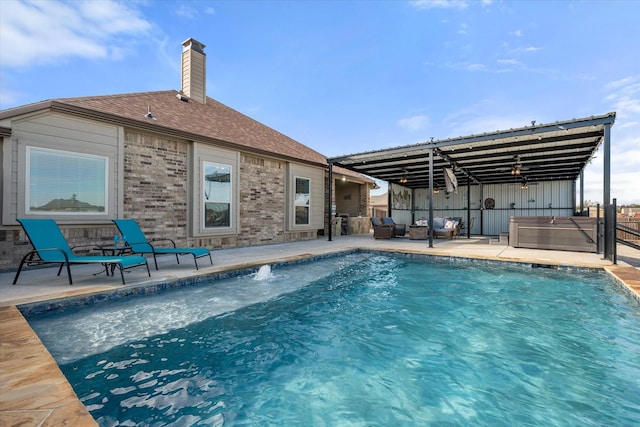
x=630, y=223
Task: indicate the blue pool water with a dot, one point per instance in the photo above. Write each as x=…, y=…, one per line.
x=362, y=340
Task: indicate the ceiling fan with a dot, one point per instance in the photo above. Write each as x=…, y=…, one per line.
x=516, y=167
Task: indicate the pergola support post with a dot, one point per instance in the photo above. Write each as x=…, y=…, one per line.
x=607, y=165
x=468, y=207
x=330, y=213
x=581, y=192
x=430, y=197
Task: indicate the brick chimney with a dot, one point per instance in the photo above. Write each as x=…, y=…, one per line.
x=194, y=70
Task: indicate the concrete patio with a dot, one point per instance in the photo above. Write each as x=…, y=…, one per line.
x=33, y=390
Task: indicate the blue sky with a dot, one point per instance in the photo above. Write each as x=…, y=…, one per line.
x=350, y=76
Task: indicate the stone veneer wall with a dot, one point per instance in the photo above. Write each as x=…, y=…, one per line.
x=365, y=200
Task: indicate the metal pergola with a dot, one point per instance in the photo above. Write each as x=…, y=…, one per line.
x=535, y=153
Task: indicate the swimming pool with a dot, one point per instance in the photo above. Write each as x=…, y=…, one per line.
x=370, y=340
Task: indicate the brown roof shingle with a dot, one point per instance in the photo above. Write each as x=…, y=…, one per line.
x=212, y=120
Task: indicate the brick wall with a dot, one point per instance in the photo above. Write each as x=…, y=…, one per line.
x=155, y=194
x=262, y=200
x=155, y=185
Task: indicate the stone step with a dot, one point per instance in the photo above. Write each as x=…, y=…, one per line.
x=502, y=240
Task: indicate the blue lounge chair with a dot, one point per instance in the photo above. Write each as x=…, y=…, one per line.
x=50, y=247
x=135, y=239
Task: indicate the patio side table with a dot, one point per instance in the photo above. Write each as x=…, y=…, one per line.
x=418, y=232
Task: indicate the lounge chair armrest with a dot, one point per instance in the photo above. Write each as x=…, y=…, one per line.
x=73, y=248
x=164, y=240
x=146, y=244
x=37, y=252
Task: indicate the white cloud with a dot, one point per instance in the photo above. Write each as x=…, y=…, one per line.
x=186, y=11
x=517, y=33
x=473, y=119
x=439, y=4
x=476, y=67
x=527, y=49
x=509, y=62
x=38, y=32
x=191, y=12
x=623, y=97
x=466, y=66
x=415, y=123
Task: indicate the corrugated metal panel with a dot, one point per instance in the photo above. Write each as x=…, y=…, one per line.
x=540, y=199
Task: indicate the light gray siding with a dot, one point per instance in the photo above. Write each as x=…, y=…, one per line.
x=317, y=196
x=56, y=131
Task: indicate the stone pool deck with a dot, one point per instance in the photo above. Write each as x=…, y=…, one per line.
x=33, y=390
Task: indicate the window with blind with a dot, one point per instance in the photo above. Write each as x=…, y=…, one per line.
x=62, y=182
x=302, y=201
x=217, y=195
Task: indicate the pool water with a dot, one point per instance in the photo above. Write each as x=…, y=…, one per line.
x=371, y=340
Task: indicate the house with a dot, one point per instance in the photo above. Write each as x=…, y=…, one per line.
x=182, y=164
x=380, y=205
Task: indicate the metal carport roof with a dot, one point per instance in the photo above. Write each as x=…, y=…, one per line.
x=539, y=152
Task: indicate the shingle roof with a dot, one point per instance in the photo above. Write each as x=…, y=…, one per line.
x=210, y=121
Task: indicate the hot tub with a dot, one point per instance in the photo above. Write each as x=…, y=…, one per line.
x=554, y=232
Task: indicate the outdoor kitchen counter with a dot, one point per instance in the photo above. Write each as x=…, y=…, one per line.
x=359, y=225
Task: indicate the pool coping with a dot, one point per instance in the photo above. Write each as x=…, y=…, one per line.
x=34, y=391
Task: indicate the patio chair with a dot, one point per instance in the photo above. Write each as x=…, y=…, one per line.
x=446, y=227
x=398, y=229
x=51, y=247
x=381, y=231
x=464, y=227
x=134, y=238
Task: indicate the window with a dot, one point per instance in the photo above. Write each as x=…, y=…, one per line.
x=61, y=182
x=217, y=195
x=301, y=202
